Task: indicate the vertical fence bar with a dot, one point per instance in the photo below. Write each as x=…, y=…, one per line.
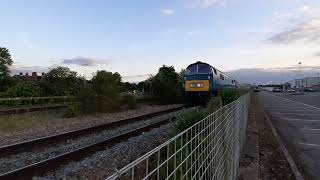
x=210, y=149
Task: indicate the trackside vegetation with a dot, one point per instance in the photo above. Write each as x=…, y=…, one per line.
x=191, y=117
x=105, y=92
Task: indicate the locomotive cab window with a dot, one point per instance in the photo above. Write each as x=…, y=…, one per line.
x=204, y=69
x=192, y=70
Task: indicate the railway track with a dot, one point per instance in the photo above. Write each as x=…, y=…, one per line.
x=38, y=168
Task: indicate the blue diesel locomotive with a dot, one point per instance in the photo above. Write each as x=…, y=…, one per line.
x=202, y=81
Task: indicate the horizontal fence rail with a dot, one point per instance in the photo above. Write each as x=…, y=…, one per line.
x=35, y=98
x=209, y=149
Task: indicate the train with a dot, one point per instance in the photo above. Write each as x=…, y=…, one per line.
x=202, y=81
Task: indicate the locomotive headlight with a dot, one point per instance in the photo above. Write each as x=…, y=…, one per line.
x=208, y=77
x=196, y=85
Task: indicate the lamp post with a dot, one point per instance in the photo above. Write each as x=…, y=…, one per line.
x=318, y=80
x=300, y=75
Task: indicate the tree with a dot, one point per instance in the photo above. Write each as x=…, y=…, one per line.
x=165, y=84
x=5, y=60
x=102, y=95
x=106, y=83
x=61, y=81
x=129, y=87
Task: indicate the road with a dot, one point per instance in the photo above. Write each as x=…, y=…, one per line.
x=297, y=120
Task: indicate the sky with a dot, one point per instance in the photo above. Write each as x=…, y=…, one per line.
x=135, y=38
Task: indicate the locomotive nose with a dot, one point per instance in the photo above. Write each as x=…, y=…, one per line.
x=197, y=85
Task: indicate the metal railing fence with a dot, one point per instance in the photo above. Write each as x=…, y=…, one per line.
x=209, y=149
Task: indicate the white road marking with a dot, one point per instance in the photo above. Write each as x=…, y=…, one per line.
x=292, y=119
x=295, y=101
x=303, y=114
x=294, y=110
x=301, y=108
x=310, y=129
x=309, y=144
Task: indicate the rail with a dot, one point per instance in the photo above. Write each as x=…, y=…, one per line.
x=209, y=149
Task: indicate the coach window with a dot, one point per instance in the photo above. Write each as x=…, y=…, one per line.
x=221, y=77
x=215, y=71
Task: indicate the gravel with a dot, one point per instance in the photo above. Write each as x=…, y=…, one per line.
x=104, y=163
x=19, y=160
x=59, y=125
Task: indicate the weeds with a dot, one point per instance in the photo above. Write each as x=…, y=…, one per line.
x=72, y=111
x=129, y=100
x=188, y=119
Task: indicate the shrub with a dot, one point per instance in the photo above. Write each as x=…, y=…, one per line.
x=90, y=102
x=228, y=96
x=72, y=111
x=3, y=94
x=24, y=90
x=129, y=100
x=189, y=118
x=214, y=104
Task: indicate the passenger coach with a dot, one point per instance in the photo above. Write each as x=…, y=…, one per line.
x=202, y=81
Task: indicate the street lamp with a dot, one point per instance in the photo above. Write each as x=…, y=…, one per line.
x=300, y=75
x=318, y=80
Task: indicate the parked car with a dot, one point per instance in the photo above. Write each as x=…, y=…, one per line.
x=256, y=90
x=276, y=90
x=308, y=90
x=291, y=90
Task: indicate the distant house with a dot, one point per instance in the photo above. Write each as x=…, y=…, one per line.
x=26, y=77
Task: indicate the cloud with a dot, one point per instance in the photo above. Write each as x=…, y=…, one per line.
x=81, y=61
x=136, y=78
x=28, y=69
x=193, y=33
x=283, y=14
x=206, y=3
x=299, y=12
x=316, y=54
x=308, y=30
x=276, y=75
x=167, y=12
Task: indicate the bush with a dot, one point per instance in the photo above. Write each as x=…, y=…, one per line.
x=189, y=118
x=90, y=102
x=72, y=111
x=24, y=90
x=129, y=100
x=228, y=96
x=214, y=104
x=3, y=95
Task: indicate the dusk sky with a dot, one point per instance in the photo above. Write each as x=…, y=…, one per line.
x=135, y=38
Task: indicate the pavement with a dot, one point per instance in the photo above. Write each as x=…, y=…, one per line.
x=297, y=120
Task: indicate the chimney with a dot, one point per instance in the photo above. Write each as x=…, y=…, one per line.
x=34, y=76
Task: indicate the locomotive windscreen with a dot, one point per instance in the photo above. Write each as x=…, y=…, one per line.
x=192, y=70
x=204, y=69
x=198, y=69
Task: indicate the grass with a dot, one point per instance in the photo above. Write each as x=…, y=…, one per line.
x=12, y=122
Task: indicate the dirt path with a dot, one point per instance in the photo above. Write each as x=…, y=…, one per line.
x=262, y=157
